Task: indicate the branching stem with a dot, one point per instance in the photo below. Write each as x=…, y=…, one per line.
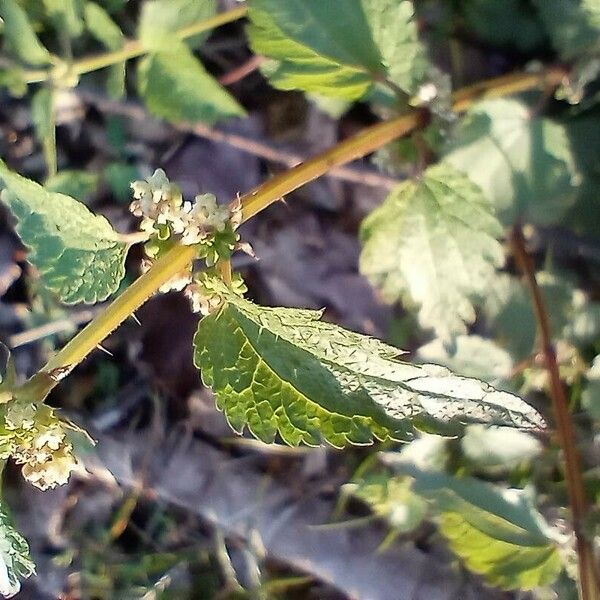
x=256, y=201
x=588, y=576
x=135, y=48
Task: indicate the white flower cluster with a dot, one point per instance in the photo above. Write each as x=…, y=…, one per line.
x=203, y=222
x=159, y=202
x=35, y=438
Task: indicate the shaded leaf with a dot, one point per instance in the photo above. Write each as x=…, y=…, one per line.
x=161, y=18
x=107, y=32
x=521, y=162
x=42, y=114
x=432, y=244
x=20, y=35
x=176, y=87
x=78, y=254
x=15, y=563
x=496, y=532
x=77, y=184
x=284, y=370
x=573, y=27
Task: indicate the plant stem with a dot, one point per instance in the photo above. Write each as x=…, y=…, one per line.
x=135, y=48
x=588, y=576
x=254, y=202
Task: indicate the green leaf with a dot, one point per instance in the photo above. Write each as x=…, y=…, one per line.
x=573, y=27
x=66, y=15
x=432, y=244
x=316, y=47
x=161, y=18
x=77, y=184
x=176, y=87
x=521, y=162
x=20, y=35
x=470, y=355
x=107, y=32
x=15, y=563
x=42, y=113
x=78, y=254
x=283, y=370
x=496, y=532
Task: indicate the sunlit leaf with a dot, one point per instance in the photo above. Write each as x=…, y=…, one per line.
x=433, y=245
x=66, y=15
x=284, y=370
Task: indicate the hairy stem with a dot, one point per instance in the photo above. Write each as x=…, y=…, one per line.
x=588, y=576
x=135, y=48
x=256, y=201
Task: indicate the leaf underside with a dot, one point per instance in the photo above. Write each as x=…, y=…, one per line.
x=279, y=370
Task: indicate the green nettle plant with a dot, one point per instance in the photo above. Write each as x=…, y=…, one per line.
x=503, y=171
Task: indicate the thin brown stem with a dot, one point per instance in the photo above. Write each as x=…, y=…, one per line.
x=588, y=576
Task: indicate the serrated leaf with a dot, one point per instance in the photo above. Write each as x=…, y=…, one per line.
x=496, y=532
x=316, y=47
x=42, y=114
x=15, y=563
x=284, y=370
x=573, y=27
x=470, y=355
x=66, y=15
x=78, y=254
x=161, y=18
x=522, y=163
x=20, y=35
x=176, y=87
x=77, y=184
x=100, y=24
x=432, y=244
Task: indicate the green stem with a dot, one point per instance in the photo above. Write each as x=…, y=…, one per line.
x=135, y=48
x=254, y=202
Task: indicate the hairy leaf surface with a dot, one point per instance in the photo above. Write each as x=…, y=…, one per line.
x=20, y=35
x=284, y=370
x=315, y=47
x=432, y=244
x=78, y=254
x=497, y=532
x=176, y=87
x=521, y=162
